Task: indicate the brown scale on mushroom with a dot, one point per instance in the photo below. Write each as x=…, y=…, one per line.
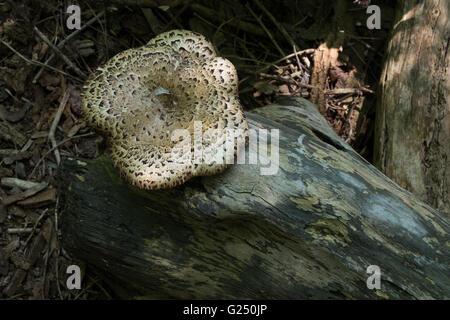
x=141, y=96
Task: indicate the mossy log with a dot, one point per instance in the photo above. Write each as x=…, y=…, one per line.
x=308, y=231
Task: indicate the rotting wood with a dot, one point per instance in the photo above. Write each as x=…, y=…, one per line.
x=309, y=231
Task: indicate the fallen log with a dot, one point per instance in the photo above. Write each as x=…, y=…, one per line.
x=310, y=230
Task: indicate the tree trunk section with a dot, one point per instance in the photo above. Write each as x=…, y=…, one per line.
x=326, y=56
x=412, y=134
x=308, y=231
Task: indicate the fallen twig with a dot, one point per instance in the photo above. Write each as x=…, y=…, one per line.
x=286, y=80
x=51, y=133
x=236, y=23
x=269, y=34
x=23, y=195
x=62, y=55
x=177, y=15
x=64, y=41
x=35, y=226
x=348, y=91
x=306, y=51
x=19, y=230
x=302, y=52
x=275, y=22
x=38, y=63
x=59, y=144
x=19, y=183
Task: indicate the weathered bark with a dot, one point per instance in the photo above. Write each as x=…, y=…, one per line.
x=412, y=134
x=308, y=231
x=326, y=56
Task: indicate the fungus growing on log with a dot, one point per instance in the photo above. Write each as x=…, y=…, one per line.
x=167, y=109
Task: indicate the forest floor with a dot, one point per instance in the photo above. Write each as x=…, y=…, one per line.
x=322, y=52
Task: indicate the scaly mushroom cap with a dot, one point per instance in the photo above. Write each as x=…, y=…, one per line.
x=141, y=97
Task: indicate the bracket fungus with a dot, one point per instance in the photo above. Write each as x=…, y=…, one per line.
x=167, y=109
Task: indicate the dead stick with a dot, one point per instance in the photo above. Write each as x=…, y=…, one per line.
x=275, y=22
x=177, y=15
x=23, y=195
x=348, y=91
x=38, y=63
x=19, y=230
x=265, y=29
x=51, y=133
x=35, y=226
x=236, y=23
x=64, y=41
x=62, y=55
x=59, y=144
x=306, y=51
x=286, y=80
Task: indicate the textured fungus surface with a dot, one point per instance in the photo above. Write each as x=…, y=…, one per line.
x=141, y=97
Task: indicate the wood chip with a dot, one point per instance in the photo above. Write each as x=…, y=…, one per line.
x=36, y=248
x=4, y=265
x=9, y=133
x=38, y=288
x=8, y=152
x=11, y=247
x=42, y=198
x=5, y=172
x=17, y=211
x=23, y=195
x=17, y=157
x=16, y=281
x=2, y=212
x=21, y=184
x=20, y=260
x=284, y=89
x=14, y=116
x=20, y=170
x=47, y=230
